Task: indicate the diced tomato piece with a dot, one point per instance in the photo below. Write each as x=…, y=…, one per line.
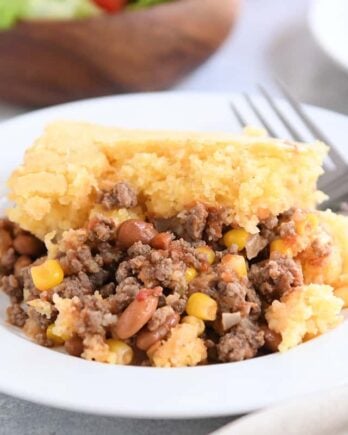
x=144, y=293
x=111, y=5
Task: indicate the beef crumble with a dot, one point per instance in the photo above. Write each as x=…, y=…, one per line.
x=274, y=277
x=120, y=196
x=242, y=342
x=16, y=315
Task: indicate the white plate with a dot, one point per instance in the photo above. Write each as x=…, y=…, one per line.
x=328, y=20
x=315, y=414
x=52, y=378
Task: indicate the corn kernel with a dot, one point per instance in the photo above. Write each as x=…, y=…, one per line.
x=237, y=237
x=209, y=253
x=57, y=340
x=201, y=306
x=122, y=352
x=308, y=224
x=280, y=246
x=342, y=293
x=47, y=275
x=195, y=321
x=236, y=264
x=190, y=274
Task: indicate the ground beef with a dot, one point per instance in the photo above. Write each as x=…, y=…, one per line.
x=137, y=249
x=75, y=286
x=125, y=293
x=255, y=303
x=36, y=326
x=123, y=271
x=274, y=277
x=287, y=230
x=29, y=285
x=107, y=290
x=180, y=250
x=193, y=222
x=242, y=342
x=163, y=271
x=79, y=260
x=16, y=315
x=197, y=223
x=74, y=239
x=159, y=317
x=289, y=214
x=100, y=278
x=95, y=316
x=267, y=228
x=177, y=302
x=270, y=223
x=109, y=254
x=205, y=283
x=154, y=267
x=217, y=220
x=101, y=229
x=12, y=287
x=122, y=195
x=232, y=297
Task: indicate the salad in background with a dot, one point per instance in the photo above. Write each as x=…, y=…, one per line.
x=12, y=11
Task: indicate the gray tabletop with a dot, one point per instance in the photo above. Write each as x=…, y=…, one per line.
x=272, y=38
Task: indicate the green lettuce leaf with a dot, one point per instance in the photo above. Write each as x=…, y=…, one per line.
x=146, y=3
x=10, y=11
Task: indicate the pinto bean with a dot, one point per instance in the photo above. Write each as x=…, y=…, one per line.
x=161, y=241
x=26, y=244
x=147, y=338
x=5, y=241
x=138, y=313
x=22, y=262
x=74, y=346
x=134, y=230
x=272, y=339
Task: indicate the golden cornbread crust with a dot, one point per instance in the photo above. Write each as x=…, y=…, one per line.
x=256, y=176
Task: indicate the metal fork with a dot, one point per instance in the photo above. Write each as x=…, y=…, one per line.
x=334, y=182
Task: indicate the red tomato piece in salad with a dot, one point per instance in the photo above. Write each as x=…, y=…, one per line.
x=111, y=5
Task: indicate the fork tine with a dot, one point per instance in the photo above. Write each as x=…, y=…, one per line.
x=317, y=133
x=238, y=115
x=259, y=116
x=290, y=128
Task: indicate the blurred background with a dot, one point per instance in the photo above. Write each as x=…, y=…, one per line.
x=272, y=39
x=268, y=38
